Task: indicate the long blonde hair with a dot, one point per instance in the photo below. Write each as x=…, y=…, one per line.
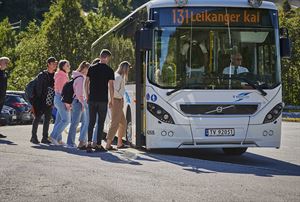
x=82, y=66
x=123, y=69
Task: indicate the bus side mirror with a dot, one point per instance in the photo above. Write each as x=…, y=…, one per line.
x=146, y=39
x=285, y=44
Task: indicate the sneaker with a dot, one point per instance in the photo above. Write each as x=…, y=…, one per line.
x=89, y=149
x=45, y=141
x=34, y=141
x=123, y=146
x=2, y=136
x=61, y=143
x=111, y=148
x=72, y=146
x=54, y=141
x=99, y=148
x=81, y=147
x=94, y=145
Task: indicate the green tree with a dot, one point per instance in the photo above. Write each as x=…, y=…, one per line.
x=117, y=8
x=99, y=24
x=291, y=68
x=286, y=6
x=24, y=10
x=7, y=42
x=137, y=3
x=66, y=32
x=89, y=5
x=31, y=53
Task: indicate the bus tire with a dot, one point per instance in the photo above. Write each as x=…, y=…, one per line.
x=129, y=128
x=235, y=151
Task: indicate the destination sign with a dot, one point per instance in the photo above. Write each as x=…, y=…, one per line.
x=213, y=17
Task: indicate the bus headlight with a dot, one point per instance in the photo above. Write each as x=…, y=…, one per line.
x=159, y=113
x=274, y=113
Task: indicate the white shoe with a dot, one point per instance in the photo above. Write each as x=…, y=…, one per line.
x=71, y=146
x=54, y=141
x=61, y=143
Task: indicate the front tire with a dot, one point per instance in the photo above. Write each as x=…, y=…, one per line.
x=235, y=151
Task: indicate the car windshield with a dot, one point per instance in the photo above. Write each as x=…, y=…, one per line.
x=14, y=98
x=205, y=56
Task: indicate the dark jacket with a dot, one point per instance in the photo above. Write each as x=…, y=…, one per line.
x=44, y=80
x=3, y=87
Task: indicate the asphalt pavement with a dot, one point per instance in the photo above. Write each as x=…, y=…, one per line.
x=41, y=172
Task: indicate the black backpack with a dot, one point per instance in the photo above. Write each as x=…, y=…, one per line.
x=67, y=94
x=30, y=90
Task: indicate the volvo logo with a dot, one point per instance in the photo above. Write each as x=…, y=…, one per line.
x=219, y=109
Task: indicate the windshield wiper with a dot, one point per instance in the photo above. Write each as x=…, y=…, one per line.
x=257, y=87
x=181, y=87
x=176, y=89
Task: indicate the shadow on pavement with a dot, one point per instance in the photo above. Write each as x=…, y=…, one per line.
x=214, y=160
x=119, y=156
x=201, y=161
x=3, y=141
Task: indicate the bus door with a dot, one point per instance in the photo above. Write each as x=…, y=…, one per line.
x=141, y=52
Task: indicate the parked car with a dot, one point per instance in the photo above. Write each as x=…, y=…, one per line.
x=8, y=116
x=21, y=93
x=22, y=108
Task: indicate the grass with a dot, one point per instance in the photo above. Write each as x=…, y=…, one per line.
x=291, y=119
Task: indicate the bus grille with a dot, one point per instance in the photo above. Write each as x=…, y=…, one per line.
x=220, y=109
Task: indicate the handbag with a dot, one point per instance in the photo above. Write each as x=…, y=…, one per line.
x=50, y=96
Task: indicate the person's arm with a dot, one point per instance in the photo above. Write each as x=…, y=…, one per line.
x=111, y=93
x=87, y=87
x=78, y=87
x=39, y=87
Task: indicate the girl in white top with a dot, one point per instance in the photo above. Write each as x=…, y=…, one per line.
x=118, y=120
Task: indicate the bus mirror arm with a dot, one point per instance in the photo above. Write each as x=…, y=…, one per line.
x=149, y=24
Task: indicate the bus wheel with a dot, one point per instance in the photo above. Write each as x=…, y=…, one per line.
x=235, y=151
x=129, y=129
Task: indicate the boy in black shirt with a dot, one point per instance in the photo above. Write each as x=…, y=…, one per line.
x=99, y=76
x=45, y=81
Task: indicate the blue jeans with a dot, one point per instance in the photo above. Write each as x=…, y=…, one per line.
x=78, y=115
x=62, y=118
x=95, y=130
x=84, y=119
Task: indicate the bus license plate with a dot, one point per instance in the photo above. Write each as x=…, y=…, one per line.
x=219, y=132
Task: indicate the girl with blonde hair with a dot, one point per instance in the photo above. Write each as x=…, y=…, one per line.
x=118, y=120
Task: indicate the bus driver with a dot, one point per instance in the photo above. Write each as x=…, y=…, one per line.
x=235, y=65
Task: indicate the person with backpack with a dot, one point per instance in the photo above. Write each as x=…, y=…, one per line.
x=99, y=77
x=118, y=120
x=79, y=106
x=41, y=100
x=63, y=115
x=3, y=83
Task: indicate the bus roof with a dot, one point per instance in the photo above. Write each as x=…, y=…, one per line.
x=211, y=3
x=191, y=3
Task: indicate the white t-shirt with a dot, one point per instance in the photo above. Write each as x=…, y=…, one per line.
x=119, y=86
x=230, y=70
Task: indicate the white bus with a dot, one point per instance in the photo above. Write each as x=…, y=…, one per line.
x=206, y=74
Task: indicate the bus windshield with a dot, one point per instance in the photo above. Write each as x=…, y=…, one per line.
x=214, y=48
